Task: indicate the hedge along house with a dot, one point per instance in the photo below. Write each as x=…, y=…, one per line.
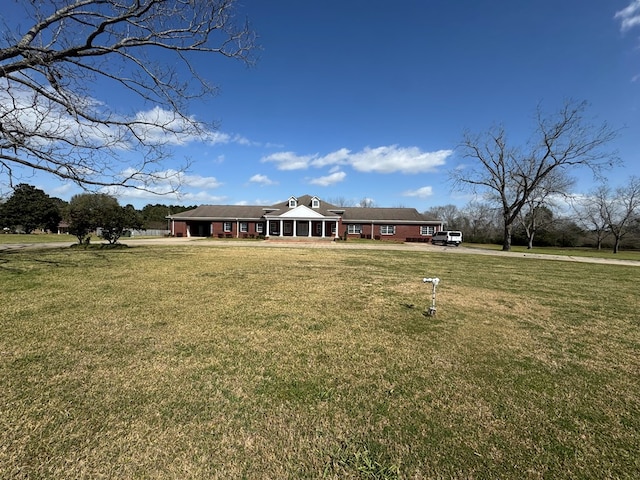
x=303, y=217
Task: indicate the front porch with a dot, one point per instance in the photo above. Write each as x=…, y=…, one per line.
x=301, y=228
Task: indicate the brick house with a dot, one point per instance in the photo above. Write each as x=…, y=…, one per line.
x=306, y=216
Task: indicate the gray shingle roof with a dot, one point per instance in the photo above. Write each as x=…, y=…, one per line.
x=349, y=214
x=206, y=212
x=355, y=214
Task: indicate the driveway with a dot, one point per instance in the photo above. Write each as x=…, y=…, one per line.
x=425, y=247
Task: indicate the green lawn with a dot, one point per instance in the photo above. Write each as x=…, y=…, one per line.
x=245, y=362
x=574, y=252
x=21, y=238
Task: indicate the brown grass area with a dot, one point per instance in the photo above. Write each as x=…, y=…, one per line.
x=235, y=362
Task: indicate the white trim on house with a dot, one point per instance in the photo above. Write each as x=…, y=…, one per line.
x=301, y=213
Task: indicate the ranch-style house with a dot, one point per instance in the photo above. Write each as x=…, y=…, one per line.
x=304, y=217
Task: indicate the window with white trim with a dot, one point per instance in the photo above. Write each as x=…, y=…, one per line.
x=427, y=229
x=259, y=227
x=387, y=229
x=226, y=226
x=244, y=227
x=293, y=202
x=354, y=228
x=315, y=203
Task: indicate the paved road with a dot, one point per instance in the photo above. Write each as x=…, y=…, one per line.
x=197, y=241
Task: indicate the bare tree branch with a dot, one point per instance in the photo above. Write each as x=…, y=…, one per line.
x=51, y=118
x=510, y=176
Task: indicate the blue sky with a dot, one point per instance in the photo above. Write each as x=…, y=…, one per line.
x=358, y=99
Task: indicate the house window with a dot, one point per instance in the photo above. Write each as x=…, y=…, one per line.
x=333, y=229
x=387, y=229
x=287, y=228
x=226, y=226
x=427, y=230
x=293, y=202
x=244, y=227
x=318, y=228
x=315, y=203
x=259, y=228
x=354, y=228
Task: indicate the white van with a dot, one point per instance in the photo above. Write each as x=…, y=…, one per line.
x=447, y=237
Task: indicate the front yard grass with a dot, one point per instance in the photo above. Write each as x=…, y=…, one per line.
x=35, y=238
x=605, y=253
x=240, y=362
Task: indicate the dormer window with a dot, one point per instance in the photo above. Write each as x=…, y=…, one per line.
x=293, y=202
x=315, y=202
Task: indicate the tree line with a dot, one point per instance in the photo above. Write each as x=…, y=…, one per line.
x=605, y=217
x=29, y=209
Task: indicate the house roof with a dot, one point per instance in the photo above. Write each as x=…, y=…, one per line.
x=366, y=214
x=232, y=212
x=348, y=214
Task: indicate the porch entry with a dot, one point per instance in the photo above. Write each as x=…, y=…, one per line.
x=302, y=228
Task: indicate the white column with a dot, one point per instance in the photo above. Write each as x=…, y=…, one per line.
x=323, y=228
x=266, y=234
x=337, y=233
x=281, y=229
x=309, y=232
x=295, y=224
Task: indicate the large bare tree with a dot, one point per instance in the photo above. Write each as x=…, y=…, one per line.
x=591, y=214
x=619, y=208
x=509, y=174
x=54, y=67
x=537, y=211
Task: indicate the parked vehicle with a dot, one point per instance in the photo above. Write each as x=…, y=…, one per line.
x=447, y=237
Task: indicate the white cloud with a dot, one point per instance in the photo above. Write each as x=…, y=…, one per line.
x=201, y=197
x=629, y=16
x=339, y=157
x=387, y=159
x=288, y=161
x=64, y=189
x=394, y=159
x=196, y=181
x=422, y=192
x=165, y=181
x=262, y=180
x=329, y=179
x=163, y=126
x=198, y=197
x=48, y=121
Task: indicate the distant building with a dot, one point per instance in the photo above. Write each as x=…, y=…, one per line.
x=299, y=217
